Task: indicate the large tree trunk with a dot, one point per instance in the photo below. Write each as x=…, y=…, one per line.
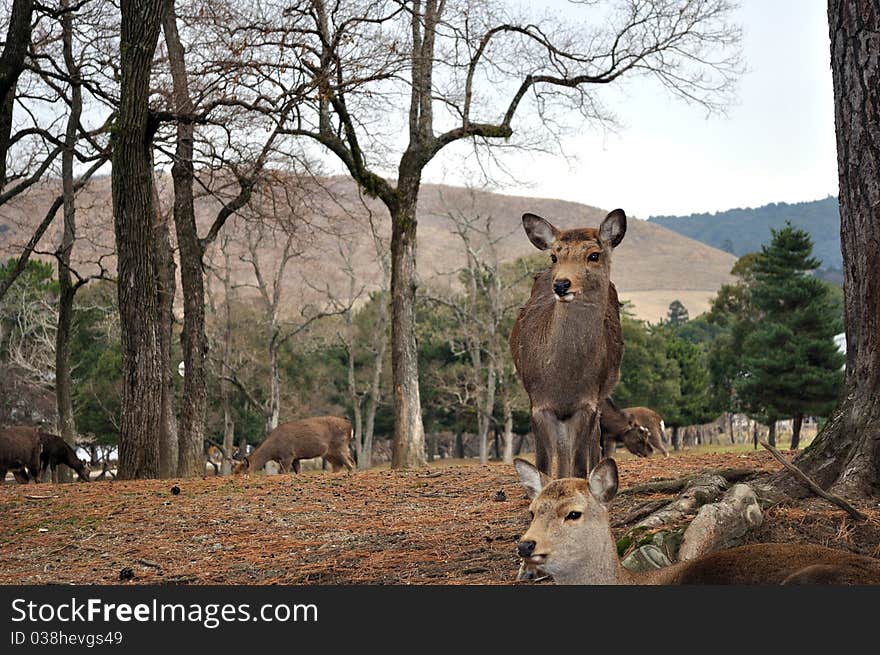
x=193, y=338
x=134, y=223
x=67, y=289
x=771, y=433
x=408, y=441
x=846, y=455
x=676, y=444
x=15, y=48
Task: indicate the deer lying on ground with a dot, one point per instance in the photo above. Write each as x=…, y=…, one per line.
x=619, y=428
x=321, y=436
x=570, y=539
x=566, y=342
x=56, y=451
x=20, y=449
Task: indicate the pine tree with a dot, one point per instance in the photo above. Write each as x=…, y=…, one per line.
x=790, y=365
x=677, y=314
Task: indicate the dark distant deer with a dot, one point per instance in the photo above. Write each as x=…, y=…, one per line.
x=619, y=428
x=20, y=449
x=321, y=436
x=56, y=451
x=566, y=342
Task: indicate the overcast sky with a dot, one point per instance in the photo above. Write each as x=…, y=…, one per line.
x=776, y=144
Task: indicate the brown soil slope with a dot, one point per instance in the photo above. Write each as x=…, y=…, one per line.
x=652, y=267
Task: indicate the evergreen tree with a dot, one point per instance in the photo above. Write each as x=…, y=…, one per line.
x=790, y=364
x=677, y=314
x=694, y=404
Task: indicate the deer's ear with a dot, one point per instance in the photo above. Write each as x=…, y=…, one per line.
x=613, y=228
x=529, y=477
x=603, y=481
x=540, y=232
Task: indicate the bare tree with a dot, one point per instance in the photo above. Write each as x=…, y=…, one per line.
x=480, y=312
x=465, y=71
x=365, y=397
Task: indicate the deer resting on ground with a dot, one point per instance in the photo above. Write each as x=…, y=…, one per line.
x=570, y=538
x=320, y=436
x=566, y=342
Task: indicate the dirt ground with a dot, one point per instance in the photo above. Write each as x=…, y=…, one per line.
x=439, y=525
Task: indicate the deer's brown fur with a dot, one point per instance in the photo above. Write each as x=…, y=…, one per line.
x=652, y=422
x=320, y=436
x=566, y=342
x=620, y=428
x=570, y=539
x=20, y=449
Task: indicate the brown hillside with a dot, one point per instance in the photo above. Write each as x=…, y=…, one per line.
x=651, y=268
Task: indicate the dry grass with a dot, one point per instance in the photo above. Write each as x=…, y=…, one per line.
x=435, y=525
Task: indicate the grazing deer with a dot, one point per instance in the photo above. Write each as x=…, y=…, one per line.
x=20, y=449
x=56, y=451
x=321, y=436
x=570, y=539
x=566, y=342
x=653, y=425
x=619, y=428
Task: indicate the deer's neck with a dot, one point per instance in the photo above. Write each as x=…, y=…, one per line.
x=600, y=565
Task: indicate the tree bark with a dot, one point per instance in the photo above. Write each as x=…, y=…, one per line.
x=675, y=440
x=166, y=285
x=796, y=424
x=193, y=338
x=408, y=440
x=846, y=455
x=134, y=225
x=771, y=433
x=508, y=432
x=18, y=39
x=67, y=288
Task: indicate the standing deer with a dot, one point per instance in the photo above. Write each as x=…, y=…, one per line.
x=570, y=539
x=321, y=436
x=566, y=342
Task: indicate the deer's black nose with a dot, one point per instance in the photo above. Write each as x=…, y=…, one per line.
x=525, y=548
x=562, y=286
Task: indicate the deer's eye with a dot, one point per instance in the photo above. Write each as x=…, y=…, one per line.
x=553, y=258
x=594, y=257
x=573, y=516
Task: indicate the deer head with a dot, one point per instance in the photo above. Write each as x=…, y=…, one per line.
x=569, y=536
x=636, y=440
x=581, y=258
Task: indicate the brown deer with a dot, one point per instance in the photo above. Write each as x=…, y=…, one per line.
x=566, y=342
x=320, y=436
x=653, y=425
x=20, y=449
x=570, y=539
x=56, y=451
x=617, y=427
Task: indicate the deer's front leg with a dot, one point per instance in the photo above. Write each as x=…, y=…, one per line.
x=545, y=428
x=585, y=433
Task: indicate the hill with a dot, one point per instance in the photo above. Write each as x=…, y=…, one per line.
x=652, y=267
x=743, y=230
